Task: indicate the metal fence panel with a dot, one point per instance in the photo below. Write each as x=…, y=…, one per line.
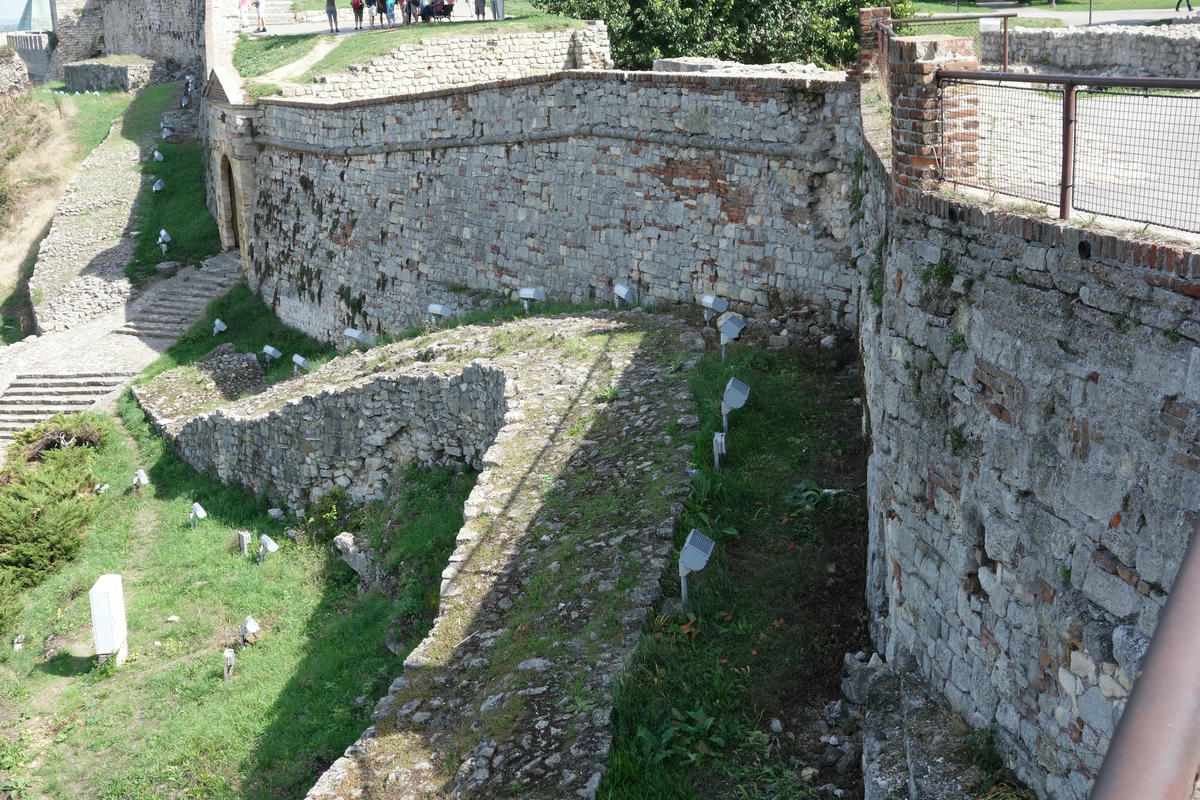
x=1136, y=157
x=1020, y=141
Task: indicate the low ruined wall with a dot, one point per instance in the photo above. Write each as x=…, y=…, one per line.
x=675, y=184
x=14, y=78
x=33, y=49
x=1164, y=51
x=1034, y=405
x=439, y=62
x=86, y=76
x=168, y=31
x=344, y=426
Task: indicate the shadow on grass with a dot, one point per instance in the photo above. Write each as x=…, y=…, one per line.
x=66, y=665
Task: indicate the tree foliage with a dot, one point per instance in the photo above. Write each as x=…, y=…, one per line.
x=824, y=32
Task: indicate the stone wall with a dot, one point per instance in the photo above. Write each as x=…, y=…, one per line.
x=34, y=50
x=127, y=74
x=346, y=425
x=1033, y=394
x=14, y=77
x=1164, y=51
x=168, y=31
x=439, y=62
x=676, y=184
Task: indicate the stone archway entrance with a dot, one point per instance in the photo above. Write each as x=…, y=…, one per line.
x=229, y=194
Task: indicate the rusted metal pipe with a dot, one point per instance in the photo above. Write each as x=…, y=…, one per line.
x=1004, y=59
x=954, y=17
x=1066, y=186
x=1155, y=752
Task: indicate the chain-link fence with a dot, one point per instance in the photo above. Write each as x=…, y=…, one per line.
x=1107, y=146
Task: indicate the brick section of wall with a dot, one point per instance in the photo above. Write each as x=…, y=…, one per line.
x=1035, y=462
x=1163, y=51
x=679, y=184
x=867, y=65
x=917, y=124
x=441, y=62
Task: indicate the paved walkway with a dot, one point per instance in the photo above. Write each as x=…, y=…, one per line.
x=1135, y=17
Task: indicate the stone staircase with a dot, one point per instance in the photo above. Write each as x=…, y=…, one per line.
x=31, y=398
x=278, y=12
x=166, y=315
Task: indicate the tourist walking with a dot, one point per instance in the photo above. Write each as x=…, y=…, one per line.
x=261, y=26
x=243, y=12
x=1180, y=2
x=390, y=5
x=371, y=14
x=331, y=13
x=357, y=7
x=381, y=7
x=480, y=10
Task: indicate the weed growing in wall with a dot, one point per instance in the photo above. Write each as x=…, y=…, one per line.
x=941, y=274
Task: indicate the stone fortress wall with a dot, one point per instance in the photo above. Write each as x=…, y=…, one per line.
x=14, y=77
x=34, y=53
x=347, y=426
x=439, y=62
x=1031, y=387
x=1162, y=51
x=171, y=30
x=365, y=212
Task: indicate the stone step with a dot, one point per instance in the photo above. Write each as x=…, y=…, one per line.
x=155, y=316
x=59, y=376
x=41, y=399
x=150, y=333
x=63, y=390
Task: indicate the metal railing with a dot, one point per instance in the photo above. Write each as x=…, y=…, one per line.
x=964, y=25
x=1155, y=752
x=1117, y=147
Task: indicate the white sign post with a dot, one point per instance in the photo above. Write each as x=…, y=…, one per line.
x=107, y=599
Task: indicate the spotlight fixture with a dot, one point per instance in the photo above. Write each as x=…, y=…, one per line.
x=695, y=554
x=158, y=156
x=730, y=329
x=249, y=627
x=198, y=512
x=159, y=185
x=718, y=450
x=140, y=479
x=266, y=545
x=243, y=538
x=735, y=396
x=361, y=338
x=438, y=310
x=530, y=295
x=270, y=353
x=219, y=326
x=623, y=294
x=299, y=364
x=228, y=658
x=713, y=305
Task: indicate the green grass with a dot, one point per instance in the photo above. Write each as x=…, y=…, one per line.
x=768, y=620
x=180, y=208
x=165, y=724
x=966, y=7
x=251, y=325
x=520, y=15
x=257, y=89
x=92, y=117
x=258, y=56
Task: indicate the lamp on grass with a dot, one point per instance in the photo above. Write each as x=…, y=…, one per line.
x=713, y=305
x=718, y=450
x=300, y=364
x=692, y=558
x=735, y=396
x=438, y=310
x=140, y=479
x=159, y=185
x=163, y=239
x=270, y=353
x=360, y=338
x=198, y=512
x=266, y=545
x=530, y=295
x=623, y=294
x=730, y=329
x=249, y=627
x=158, y=156
x=219, y=326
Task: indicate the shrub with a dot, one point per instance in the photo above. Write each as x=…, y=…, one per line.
x=10, y=602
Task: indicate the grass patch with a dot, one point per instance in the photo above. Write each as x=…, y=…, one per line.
x=949, y=7
x=258, y=56
x=1035, y=22
x=257, y=89
x=252, y=325
x=90, y=115
x=520, y=15
x=687, y=716
x=180, y=208
x=166, y=724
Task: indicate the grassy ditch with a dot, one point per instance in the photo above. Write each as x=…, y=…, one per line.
x=776, y=607
x=166, y=724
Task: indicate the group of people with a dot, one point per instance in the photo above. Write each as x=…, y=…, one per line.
x=413, y=10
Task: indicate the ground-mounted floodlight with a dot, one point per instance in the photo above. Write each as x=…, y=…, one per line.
x=266, y=545
x=158, y=156
x=270, y=353
x=360, y=338
x=275, y=513
x=735, y=396
x=730, y=329
x=623, y=294
x=695, y=553
x=249, y=627
x=530, y=295
x=438, y=310
x=101, y=488
x=227, y=659
x=300, y=364
x=158, y=185
x=713, y=305
x=718, y=450
x=198, y=512
x=219, y=326
x=166, y=132
x=184, y=102
x=140, y=479
x=243, y=538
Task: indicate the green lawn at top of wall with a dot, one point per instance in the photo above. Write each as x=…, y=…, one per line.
x=254, y=56
x=520, y=15
x=967, y=7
